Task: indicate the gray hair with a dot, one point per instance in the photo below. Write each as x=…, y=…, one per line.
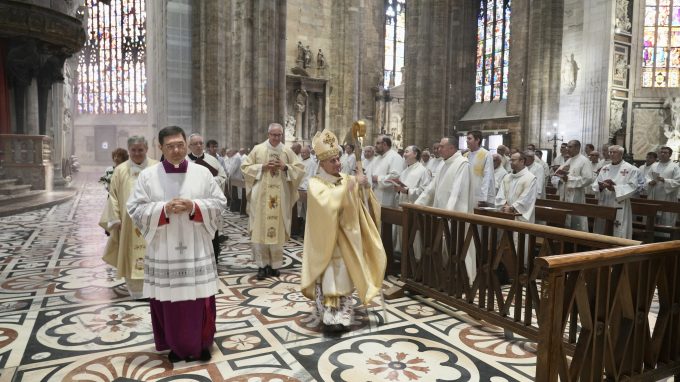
x=616, y=148
x=195, y=135
x=136, y=139
x=274, y=125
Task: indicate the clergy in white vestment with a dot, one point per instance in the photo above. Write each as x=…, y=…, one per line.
x=518, y=190
x=425, y=158
x=126, y=248
x=538, y=158
x=644, y=168
x=410, y=185
x=481, y=167
x=571, y=180
x=436, y=161
x=311, y=168
x=296, y=147
x=535, y=168
x=342, y=249
x=663, y=183
x=368, y=160
x=272, y=174
x=349, y=160
x=604, y=154
x=451, y=189
x=212, y=148
x=562, y=158
x=503, y=152
x=176, y=206
x=615, y=185
x=499, y=171
x=596, y=165
x=200, y=157
x=387, y=167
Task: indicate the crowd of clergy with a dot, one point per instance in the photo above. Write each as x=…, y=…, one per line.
x=163, y=217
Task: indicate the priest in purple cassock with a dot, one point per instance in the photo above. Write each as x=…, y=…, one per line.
x=176, y=205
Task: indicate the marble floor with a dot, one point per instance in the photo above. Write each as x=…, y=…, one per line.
x=64, y=317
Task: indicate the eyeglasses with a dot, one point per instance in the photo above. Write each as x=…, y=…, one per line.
x=276, y=135
x=196, y=144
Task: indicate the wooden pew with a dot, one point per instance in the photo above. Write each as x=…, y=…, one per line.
x=590, y=211
x=644, y=230
x=664, y=206
x=552, y=216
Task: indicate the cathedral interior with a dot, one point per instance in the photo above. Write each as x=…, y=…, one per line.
x=79, y=77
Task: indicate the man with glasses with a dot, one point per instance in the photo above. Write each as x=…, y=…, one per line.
x=272, y=174
x=198, y=156
x=176, y=206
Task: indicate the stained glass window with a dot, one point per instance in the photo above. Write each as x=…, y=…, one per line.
x=661, y=44
x=395, y=33
x=112, y=73
x=493, y=47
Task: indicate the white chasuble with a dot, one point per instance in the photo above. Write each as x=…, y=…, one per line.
x=179, y=263
x=519, y=190
x=625, y=177
x=386, y=167
x=271, y=196
x=482, y=176
x=125, y=248
x=666, y=190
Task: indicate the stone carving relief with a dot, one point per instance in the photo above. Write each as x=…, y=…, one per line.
x=305, y=105
x=673, y=106
x=615, y=116
x=622, y=18
x=320, y=60
x=570, y=70
x=647, y=131
x=620, y=68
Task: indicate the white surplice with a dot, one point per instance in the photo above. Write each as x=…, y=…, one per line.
x=642, y=178
x=519, y=190
x=574, y=190
x=482, y=176
x=221, y=176
x=625, y=176
x=451, y=190
x=498, y=175
x=386, y=167
x=416, y=178
x=180, y=264
x=666, y=190
x=435, y=165
x=537, y=170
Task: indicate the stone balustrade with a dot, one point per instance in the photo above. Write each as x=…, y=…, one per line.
x=27, y=158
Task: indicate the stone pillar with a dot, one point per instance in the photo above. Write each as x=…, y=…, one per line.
x=31, y=111
x=239, y=68
x=440, y=68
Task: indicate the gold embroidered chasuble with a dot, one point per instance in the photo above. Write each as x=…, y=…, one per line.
x=271, y=197
x=339, y=221
x=125, y=248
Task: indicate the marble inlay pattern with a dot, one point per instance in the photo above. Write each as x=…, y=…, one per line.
x=65, y=317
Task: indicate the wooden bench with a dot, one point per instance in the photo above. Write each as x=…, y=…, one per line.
x=552, y=216
x=664, y=206
x=644, y=229
x=590, y=211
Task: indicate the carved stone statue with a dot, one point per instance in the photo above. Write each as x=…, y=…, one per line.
x=569, y=74
x=300, y=101
x=312, y=123
x=290, y=128
x=622, y=20
x=615, y=117
x=308, y=57
x=320, y=60
x=300, y=54
x=673, y=105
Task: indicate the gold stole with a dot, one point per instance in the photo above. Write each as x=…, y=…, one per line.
x=272, y=191
x=480, y=160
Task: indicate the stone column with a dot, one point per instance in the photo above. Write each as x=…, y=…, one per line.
x=31, y=111
x=440, y=68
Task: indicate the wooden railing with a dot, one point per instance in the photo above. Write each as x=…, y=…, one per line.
x=504, y=291
x=610, y=293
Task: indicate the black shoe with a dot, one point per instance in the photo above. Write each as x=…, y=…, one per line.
x=205, y=355
x=173, y=358
x=223, y=238
x=272, y=272
x=261, y=273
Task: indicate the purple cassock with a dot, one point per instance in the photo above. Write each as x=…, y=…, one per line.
x=175, y=325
